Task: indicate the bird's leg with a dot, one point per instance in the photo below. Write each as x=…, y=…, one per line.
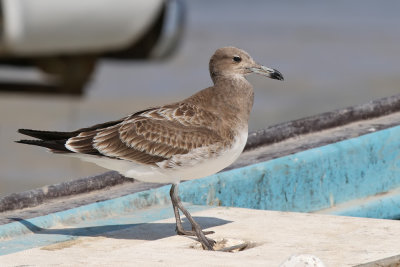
x=177, y=205
x=179, y=227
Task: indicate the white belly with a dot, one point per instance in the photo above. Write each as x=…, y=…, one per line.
x=194, y=165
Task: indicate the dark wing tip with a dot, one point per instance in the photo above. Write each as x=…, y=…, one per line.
x=47, y=135
x=54, y=145
x=24, y=131
x=29, y=142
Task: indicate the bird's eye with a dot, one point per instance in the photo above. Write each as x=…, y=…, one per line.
x=237, y=59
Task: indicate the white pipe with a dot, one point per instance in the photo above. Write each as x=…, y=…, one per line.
x=52, y=27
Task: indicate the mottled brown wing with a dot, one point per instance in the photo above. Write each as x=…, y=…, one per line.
x=152, y=136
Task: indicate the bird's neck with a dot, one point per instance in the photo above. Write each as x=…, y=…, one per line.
x=231, y=98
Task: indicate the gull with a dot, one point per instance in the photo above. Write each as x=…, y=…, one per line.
x=189, y=139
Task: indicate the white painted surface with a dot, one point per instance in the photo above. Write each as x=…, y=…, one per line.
x=335, y=240
x=303, y=260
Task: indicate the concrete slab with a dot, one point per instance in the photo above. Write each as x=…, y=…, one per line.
x=275, y=236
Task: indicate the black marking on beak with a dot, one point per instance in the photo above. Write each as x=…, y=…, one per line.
x=276, y=75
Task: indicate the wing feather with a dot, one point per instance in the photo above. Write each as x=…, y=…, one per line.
x=152, y=136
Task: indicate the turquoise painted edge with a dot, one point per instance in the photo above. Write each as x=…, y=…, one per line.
x=98, y=210
x=310, y=180
x=386, y=205
x=306, y=181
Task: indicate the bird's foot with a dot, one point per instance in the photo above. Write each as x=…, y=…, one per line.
x=191, y=233
x=207, y=243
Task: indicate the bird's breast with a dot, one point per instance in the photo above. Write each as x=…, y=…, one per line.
x=202, y=161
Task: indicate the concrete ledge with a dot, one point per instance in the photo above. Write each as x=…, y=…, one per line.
x=336, y=240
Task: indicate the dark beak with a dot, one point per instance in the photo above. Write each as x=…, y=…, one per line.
x=269, y=72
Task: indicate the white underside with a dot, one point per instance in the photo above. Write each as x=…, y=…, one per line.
x=195, y=166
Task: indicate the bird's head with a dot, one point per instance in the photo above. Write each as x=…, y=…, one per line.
x=229, y=61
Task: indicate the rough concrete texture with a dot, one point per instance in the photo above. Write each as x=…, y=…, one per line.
x=273, y=238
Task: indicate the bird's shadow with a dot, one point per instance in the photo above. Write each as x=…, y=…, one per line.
x=142, y=231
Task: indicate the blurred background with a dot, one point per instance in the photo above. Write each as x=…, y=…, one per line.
x=69, y=65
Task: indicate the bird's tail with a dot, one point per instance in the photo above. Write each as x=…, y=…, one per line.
x=55, y=141
x=56, y=146
x=46, y=135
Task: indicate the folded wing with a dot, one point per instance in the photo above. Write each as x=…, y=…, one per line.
x=151, y=136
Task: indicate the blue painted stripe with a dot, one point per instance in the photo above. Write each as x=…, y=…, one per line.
x=307, y=181
x=94, y=211
x=386, y=205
